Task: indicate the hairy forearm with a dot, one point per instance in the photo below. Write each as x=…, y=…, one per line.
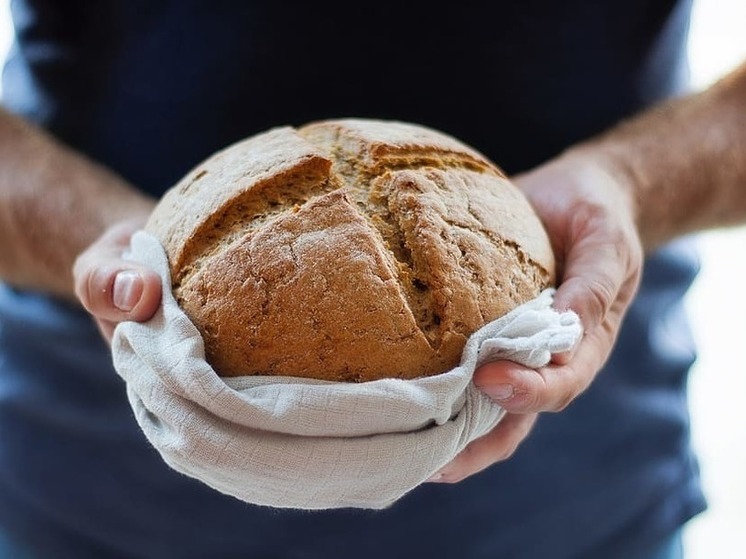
x=53, y=203
x=684, y=161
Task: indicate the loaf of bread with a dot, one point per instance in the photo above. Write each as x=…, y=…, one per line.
x=348, y=250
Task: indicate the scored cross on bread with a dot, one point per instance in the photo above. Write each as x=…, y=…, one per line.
x=348, y=250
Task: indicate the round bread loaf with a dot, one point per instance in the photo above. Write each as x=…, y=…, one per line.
x=348, y=250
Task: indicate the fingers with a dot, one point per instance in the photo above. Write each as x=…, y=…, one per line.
x=602, y=265
x=599, y=289
x=116, y=290
x=601, y=257
x=497, y=445
x=519, y=389
x=113, y=289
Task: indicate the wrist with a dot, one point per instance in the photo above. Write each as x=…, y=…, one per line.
x=596, y=176
x=607, y=170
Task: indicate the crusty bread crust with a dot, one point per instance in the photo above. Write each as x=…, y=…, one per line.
x=348, y=250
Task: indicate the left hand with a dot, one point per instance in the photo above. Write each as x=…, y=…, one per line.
x=589, y=214
x=111, y=288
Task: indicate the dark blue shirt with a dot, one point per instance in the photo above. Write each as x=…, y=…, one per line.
x=150, y=88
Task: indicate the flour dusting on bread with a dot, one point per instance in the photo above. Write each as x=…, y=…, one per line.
x=348, y=250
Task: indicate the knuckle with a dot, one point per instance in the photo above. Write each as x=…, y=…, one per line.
x=575, y=383
x=532, y=400
x=601, y=296
x=530, y=394
x=596, y=218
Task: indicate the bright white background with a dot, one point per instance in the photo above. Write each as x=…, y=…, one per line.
x=718, y=308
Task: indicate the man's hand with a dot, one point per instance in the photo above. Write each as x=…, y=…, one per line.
x=54, y=202
x=674, y=169
x=111, y=288
x=589, y=214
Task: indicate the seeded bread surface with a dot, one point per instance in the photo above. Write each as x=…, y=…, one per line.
x=348, y=250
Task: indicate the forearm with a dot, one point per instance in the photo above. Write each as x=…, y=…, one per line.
x=53, y=203
x=684, y=161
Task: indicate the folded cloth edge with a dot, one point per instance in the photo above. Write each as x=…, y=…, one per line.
x=276, y=442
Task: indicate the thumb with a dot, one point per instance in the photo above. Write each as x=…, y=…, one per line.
x=111, y=288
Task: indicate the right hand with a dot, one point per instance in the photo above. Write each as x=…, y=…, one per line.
x=111, y=288
x=589, y=214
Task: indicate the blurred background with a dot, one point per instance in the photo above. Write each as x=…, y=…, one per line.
x=717, y=305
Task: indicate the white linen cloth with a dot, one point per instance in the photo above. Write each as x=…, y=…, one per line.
x=290, y=442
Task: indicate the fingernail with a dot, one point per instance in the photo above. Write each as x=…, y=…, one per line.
x=127, y=290
x=499, y=392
